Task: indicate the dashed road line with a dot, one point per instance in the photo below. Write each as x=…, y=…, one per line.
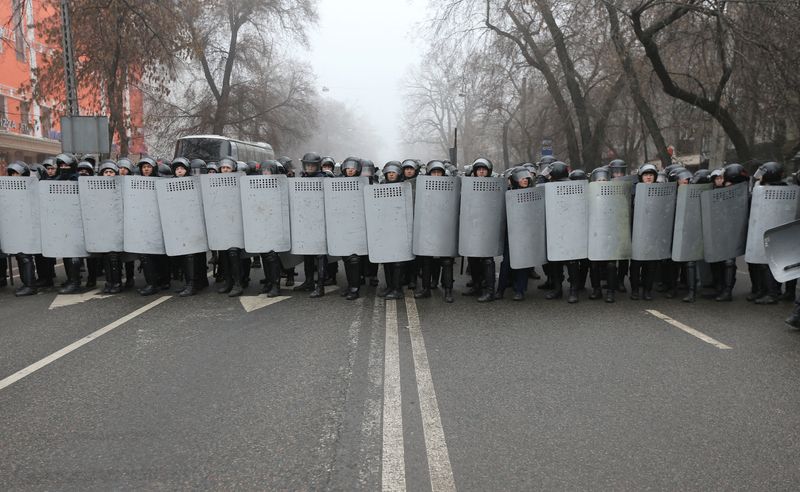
x=688, y=329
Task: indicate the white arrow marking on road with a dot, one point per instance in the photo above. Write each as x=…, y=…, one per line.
x=688, y=329
x=252, y=303
x=70, y=299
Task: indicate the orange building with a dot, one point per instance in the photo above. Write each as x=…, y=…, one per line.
x=30, y=131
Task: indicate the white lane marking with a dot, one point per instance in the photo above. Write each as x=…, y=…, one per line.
x=78, y=344
x=438, y=457
x=370, y=466
x=393, y=476
x=62, y=300
x=688, y=329
x=252, y=303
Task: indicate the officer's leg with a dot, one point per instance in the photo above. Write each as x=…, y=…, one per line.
x=691, y=281
x=234, y=265
x=594, y=277
x=447, y=278
x=150, y=269
x=557, y=275
x=488, y=266
x=613, y=280
x=26, y=275
x=636, y=275
x=321, y=262
x=794, y=319
x=573, y=268
x=772, y=288
x=45, y=271
x=309, y=265
x=189, y=276
x=728, y=280
x=427, y=274
x=352, y=268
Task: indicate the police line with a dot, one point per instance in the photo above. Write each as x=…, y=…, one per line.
x=446, y=217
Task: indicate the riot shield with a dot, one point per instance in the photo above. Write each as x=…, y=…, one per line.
x=527, y=242
x=180, y=202
x=289, y=260
x=60, y=220
x=482, y=219
x=436, y=216
x=141, y=217
x=687, y=237
x=222, y=208
x=724, y=212
x=609, y=220
x=265, y=213
x=567, y=220
x=345, y=222
x=20, y=230
x=306, y=200
x=653, y=221
x=102, y=211
x=782, y=251
x=770, y=206
x=390, y=222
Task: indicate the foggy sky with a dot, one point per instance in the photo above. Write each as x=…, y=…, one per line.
x=360, y=51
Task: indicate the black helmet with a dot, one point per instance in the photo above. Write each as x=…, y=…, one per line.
x=327, y=161
x=311, y=158
x=212, y=167
x=86, y=166
x=558, y=171
x=452, y=169
x=351, y=163
x=679, y=174
x=39, y=171
x=125, y=163
x=49, y=162
x=436, y=165
x=253, y=168
x=281, y=169
x=578, y=175
x=546, y=160
x=647, y=168
x=672, y=174
x=600, y=174
x=198, y=166
x=367, y=168
x=180, y=162
x=393, y=167
x=270, y=167
x=769, y=172
x=701, y=176
x=285, y=162
x=518, y=174
x=618, y=166
x=108, y=164
x=66, y=159
x=164, y=170
x=484, y=163
x=735, y=174
x=669, y=168
x=149, y=161
x=227, y=162
x=19, y=168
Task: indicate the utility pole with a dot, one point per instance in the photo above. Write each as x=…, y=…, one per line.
x=69, y=60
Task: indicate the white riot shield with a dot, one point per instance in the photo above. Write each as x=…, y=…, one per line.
x=289, y=260
x=527, y=241
x=567, y=220
x=687, y=237
x=306, y=200
x=20, y=230
x=609, y=220
x=724, y=213
x=102, y=211
x=180, y=202
x=265, y=213
x=653, y=221
x=222, y=208
x=60, y=220
x=782, y=251
x=390, y=222
x=142, y=222
x=436, y=208
x=482, y=220
x=345, y=222
x=770, y=206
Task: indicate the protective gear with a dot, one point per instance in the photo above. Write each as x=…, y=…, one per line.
x=26, y=275
x=519, y=174
x=618, y=167
x=484, y=163
x=164, y=170
x=125, y=163
x=86, y=166
x=735, y=174
x=39, y=171
x=272, y=272
x=432, y=165
x=212, y=168
x=701, y=176
x=63, y=161
x=253, y=168
x=108, y=165
x=270, y=168
x=578, y=175
x=600, y=174
x=241, y=167
x=149, y=161
x=769, y=173
x=393, y=167
x=558, y=171
x=351, y=163
x=487, y=293
x=72, y=267
x=18, y=168
x=312, y=162
x=352, y=269
x=327, y=163
x=181, y=162
x=679, y=173
x=198, y=167
x=49, y=162
x=411, y=164
x=113, y=271
x=647, y=168
x=227, y=162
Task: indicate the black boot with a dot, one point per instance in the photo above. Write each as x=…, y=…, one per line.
x=396, y=286
x=272, y=269
x=290, y=277
x=691, y=281
x=188, y=277
x=728, y=281
x=308, y=269
x=556, y=280
x=227, y=280
x=425, y=292
x=73, y=268
x=91, y=273
x=319, y=285
x=150, y=268
x=129, y=275
x=635, y=269
x=572, y=269
x=113, y=274
x=45, y=271
x=771, y=287
x=613, y=282
x=352, y=270
x=447, y=279
x=235, y=264
x=488, y=281
x=26, y=275
x=794, y=319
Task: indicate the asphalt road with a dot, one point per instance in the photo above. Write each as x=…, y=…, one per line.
x=303, y=394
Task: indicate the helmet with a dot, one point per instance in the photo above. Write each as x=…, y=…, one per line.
x=66, y=164
x=518, y=174
x=49, y=162
x=484, y=163
x=678, y=174
x=411, y=163
x=198, y=166
x=600, y=174
x=270, y=167
x=558, y=171
x=227, y=162
x=327, y=161
x=164, y=170
x=661, y=177
x=19, y=168
x=281, y=169
x=253, y=168
x=241, y=167
x=618, y=166
x=769, y=172
x=578, y=175
x=452, y=169
x=149, y=161
x=125, y=163
x=367, y=168
x=86, y=166
x=90, y=158
x=351, y=163
x=716, y=172
x=180, y=162
x=39, y=171
x=701, y=176
x=436, y=165
x=311, y=159
x=212, y=167
x=647, y=168
x=735, y=173
x=393, y=167
x=672, y=174
x=546, y=160
x=108, y=164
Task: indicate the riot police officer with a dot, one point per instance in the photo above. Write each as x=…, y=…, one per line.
x=768, y=174
x=393, y=271
x=235, y=268
x=312, y=168
x=559, y=171
x=733, y=174
x=368, y=268
x=112, y=261
x=482, y=269
x=599, y=269
x=24, y=260
x=519, y=178
x=350, y=168
x=270, y=261
x=643, y=273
